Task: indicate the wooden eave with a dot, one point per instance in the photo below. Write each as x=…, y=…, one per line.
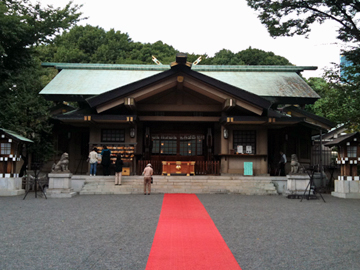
x=231, y=120
x=96, y=118
x=180, y=118
x=172, y=108
x=310, y=118
x=344, y=139
x=139, y=95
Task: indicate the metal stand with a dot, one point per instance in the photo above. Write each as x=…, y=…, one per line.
x=36, y=181
x=311, y=187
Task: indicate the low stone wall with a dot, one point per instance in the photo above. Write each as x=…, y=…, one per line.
x=347, y=189
x=11, y=186
x=297, y=184
x=280, y=182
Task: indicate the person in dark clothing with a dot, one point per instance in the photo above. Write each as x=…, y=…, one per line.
x=118, y=169
x=282, y=163
x=23, y=167
x=105, y=160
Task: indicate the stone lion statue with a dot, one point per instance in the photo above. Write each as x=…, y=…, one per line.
x=295, y=165
x=62, y=165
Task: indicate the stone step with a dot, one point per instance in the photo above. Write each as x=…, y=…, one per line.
x=179, y=184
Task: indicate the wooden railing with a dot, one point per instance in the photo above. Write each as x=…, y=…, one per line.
x=207, y=167
x=201, y=167
x=156, y=165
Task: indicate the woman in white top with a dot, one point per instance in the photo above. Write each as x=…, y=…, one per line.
x=93, y=159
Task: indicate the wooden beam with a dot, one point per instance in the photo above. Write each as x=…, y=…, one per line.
x=215, y=94
x=139, y=95
x=155, y=89
x=205, y=90
x=180, y=118
x=255, y=109
x=177, y=108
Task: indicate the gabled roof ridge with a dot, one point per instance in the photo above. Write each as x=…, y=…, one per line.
x=259, y=68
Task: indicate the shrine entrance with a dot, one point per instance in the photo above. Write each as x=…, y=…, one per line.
x=181, y=143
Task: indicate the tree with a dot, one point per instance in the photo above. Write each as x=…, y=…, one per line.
x=295, y=17
x=89, y=44
x=27, y=113
x=338, y=102
x=249, y=56
x=340, y=93
x=252, y=56
x=24, y=27
x=226, y=57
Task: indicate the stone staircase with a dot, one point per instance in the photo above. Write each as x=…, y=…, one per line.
x=178, y=184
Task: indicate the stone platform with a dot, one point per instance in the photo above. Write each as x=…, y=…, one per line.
x=175, y=184
x=11, y=186
x=347, y=189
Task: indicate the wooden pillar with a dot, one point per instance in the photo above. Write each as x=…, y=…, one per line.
x=354, y=170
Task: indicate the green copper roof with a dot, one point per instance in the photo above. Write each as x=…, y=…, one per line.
x=95, y=79
x=14, y=135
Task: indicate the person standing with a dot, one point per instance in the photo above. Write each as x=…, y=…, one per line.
x=148, y=172
x=105, y=160
x=93, y=160
x=282, y=163
x=118, y=169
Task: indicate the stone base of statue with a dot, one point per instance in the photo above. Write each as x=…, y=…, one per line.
x=11, y=186
x=297, y=184
x=60, y=186
x=347, y=188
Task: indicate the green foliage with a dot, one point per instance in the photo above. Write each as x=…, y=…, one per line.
x=23, y=27
x=339, y=101
x=289, y=17
x=339, y=94
x=249, y=56
x=27, y=113
x=226, y=57
x=90, y=44
x=252, y=56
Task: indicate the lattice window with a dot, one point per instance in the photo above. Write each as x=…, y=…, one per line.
x=351, y=151
x=168, y=145
x=184, y=145
x=5, y=149
x=246, y=139
x=113, y=135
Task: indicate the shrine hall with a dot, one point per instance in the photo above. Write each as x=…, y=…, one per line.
x=184, y=118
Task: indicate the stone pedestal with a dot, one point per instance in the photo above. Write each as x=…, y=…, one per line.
x=11, y=186
x=60, y=186
x=347, y=189
x=297, y=183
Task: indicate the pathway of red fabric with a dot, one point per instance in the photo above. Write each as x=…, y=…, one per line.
x=187, y=238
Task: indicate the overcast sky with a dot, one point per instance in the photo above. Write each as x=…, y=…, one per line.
x=199, y=26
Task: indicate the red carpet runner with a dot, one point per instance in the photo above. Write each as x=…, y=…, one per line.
x=187, y=238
